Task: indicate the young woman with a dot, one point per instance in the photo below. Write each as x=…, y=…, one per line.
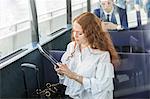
x=87, y=65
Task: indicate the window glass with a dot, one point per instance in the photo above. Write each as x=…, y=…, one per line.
x=136, y=12
x=94, y=4
x=15, y=28
x=78, y=7
x=51, y=16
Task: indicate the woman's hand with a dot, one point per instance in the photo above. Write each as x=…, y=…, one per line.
x=64, y=70
x=56, y=67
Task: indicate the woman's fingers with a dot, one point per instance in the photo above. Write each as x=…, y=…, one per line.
x=59, y=71
x=62, y=69
x=56, y=66
x=59, y=64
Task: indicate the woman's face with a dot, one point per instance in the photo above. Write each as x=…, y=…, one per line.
x=78, y=34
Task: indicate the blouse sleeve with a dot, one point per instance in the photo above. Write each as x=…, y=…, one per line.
x=64, y=59
x=68, y=52
x=103, y=79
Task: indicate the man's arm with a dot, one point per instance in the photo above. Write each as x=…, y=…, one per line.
x=112, y=26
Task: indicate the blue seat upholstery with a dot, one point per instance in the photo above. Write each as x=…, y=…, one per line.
x=50, y=74
x=135, y=66
x=57, y=54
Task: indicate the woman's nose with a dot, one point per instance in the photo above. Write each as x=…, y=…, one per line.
x=75, y=34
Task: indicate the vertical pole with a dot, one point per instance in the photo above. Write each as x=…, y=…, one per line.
x=69, y=11
x=89, y=5
x=34, y=23
x=138, y=15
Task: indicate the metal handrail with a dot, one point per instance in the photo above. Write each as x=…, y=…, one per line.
x=48, y=12
x=16, y=23
x=56, y=10
x=14, y=33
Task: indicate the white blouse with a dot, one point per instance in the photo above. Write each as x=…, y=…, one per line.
x=97, y=71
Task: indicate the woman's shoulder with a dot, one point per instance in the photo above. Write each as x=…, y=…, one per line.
x=104, y=55
x=100, y=52
x=71, y=44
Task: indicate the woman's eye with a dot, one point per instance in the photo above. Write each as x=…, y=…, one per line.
x=80, y=33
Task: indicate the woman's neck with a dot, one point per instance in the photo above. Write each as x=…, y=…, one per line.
x=82, y=46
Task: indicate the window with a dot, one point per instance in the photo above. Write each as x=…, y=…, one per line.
x=136, y=13
x=51, y=16
x=78, y=7
x=15, y=25
x=94, y=4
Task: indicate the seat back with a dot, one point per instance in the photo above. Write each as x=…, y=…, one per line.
x=57, y=54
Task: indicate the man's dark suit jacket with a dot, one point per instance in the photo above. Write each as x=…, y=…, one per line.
x=100, y=13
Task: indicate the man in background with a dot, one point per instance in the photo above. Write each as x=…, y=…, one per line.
x=106, y=12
